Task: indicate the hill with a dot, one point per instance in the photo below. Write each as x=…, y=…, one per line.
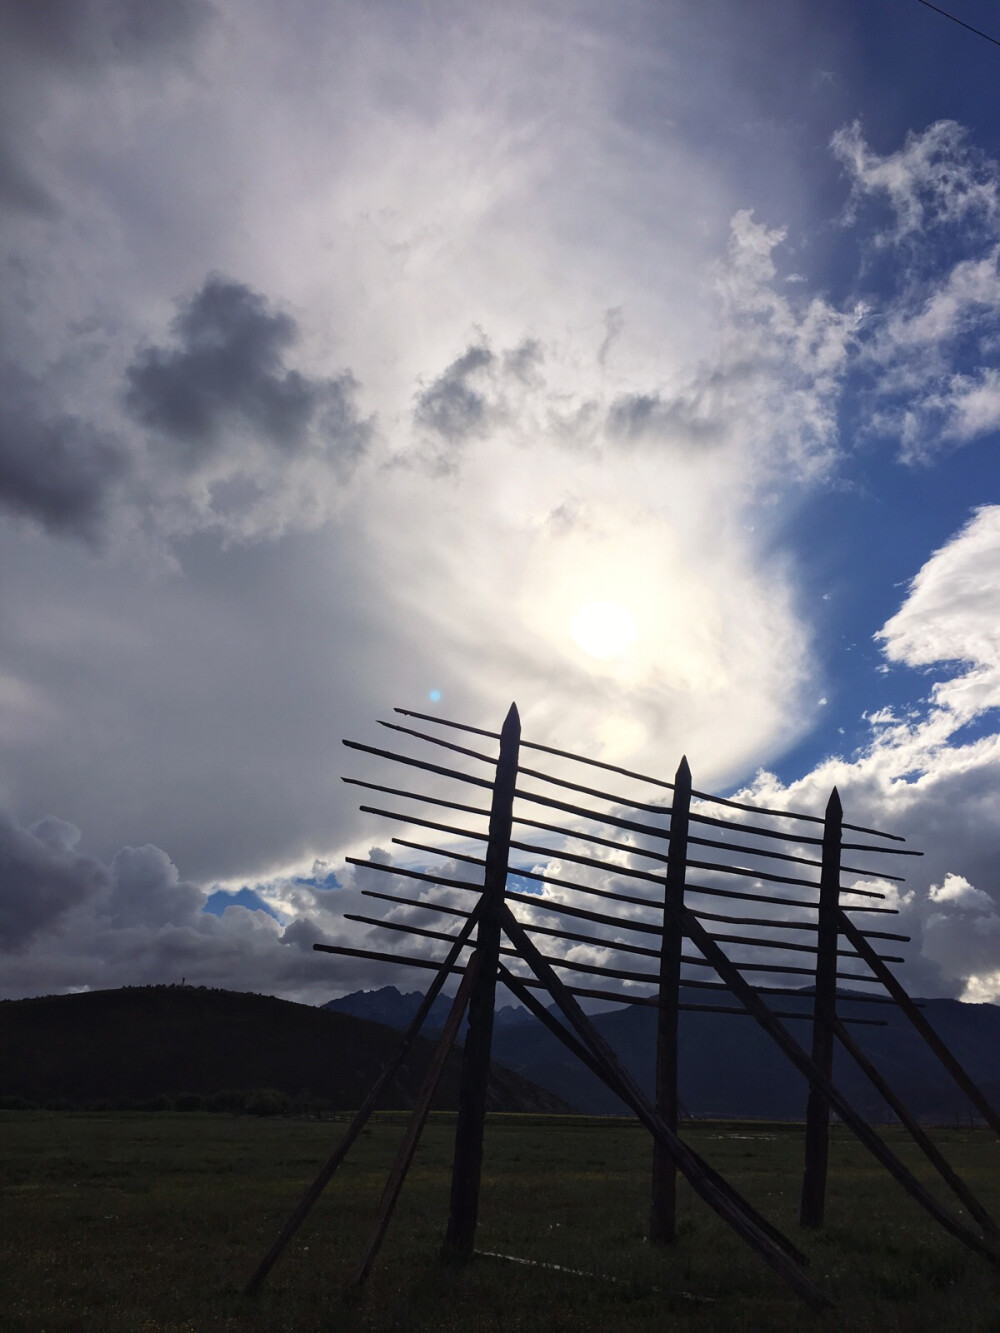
x=131, y=1045
x=729, y=1067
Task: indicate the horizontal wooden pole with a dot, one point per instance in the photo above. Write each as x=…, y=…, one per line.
x=438, y=740
x=616, y=945
x=552, y=931
x=630, y=773
x=756, y=942
x=427, y=903
x=534, y=875
x=713, y=892
x=531, y=900
x=423, y=764
x=608, y=868
x=597, y=969
x=778, y=924
x=546, y=904
x=613, y=997
x=884, y=851
x=382, y=868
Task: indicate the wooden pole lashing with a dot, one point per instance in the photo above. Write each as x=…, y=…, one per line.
x=663, y=1202
x=467, y=1165
x=824, y=1018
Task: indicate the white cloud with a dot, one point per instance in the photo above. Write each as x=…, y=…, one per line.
x=920, y=778
x=958, y=891
x=930, y=342
x=935, y=179
x=952, y=614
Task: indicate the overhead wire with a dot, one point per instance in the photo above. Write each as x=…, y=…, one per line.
x=995, y=41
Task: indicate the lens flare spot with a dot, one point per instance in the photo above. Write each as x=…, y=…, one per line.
x=434, y=696
x=603, y=629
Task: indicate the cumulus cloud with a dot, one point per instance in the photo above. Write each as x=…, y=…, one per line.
x=958, y=891
x=226, y=372
x=924, y=777
x=67, y=921
x=234, y=438
x=55, y=468
x=41, y=878
x=952, y=614
x=477, y=393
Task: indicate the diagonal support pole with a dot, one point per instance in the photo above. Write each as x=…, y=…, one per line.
x=916, y=1131
x=361, y=1118
x=532, y=1003
x=975, y=1096
x=729, y=1206
x=752, y=1002
x=418, y=1118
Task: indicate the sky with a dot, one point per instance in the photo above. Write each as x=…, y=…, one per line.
x=639, y=364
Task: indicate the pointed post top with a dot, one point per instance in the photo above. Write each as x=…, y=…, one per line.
x=510, y=733
x=834, y=809
x=683, y=775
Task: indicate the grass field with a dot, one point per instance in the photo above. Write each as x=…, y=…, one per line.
x=150, y=1223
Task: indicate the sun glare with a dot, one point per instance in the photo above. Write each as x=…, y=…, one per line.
x=603, y=629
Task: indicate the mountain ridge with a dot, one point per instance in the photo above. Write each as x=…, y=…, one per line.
x=136, y=1043
x=728, y=1065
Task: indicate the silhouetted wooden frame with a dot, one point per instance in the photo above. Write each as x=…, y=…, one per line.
x=492, y=917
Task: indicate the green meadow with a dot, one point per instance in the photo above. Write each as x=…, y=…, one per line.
x=151, y=1223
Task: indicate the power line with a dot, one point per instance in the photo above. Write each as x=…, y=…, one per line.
x=961, y=22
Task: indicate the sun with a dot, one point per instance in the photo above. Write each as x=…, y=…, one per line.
x=603, y=629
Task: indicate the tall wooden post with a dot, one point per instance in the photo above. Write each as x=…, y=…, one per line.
x=824, y=1017
x=663, y=1205
x=467, y=1165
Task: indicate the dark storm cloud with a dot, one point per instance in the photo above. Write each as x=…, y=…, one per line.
x=455, y=406
x=640, y=416
x=55, y=469
x=227, y=370
x=41, y=878
x=85, y=33
x=479, y=391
